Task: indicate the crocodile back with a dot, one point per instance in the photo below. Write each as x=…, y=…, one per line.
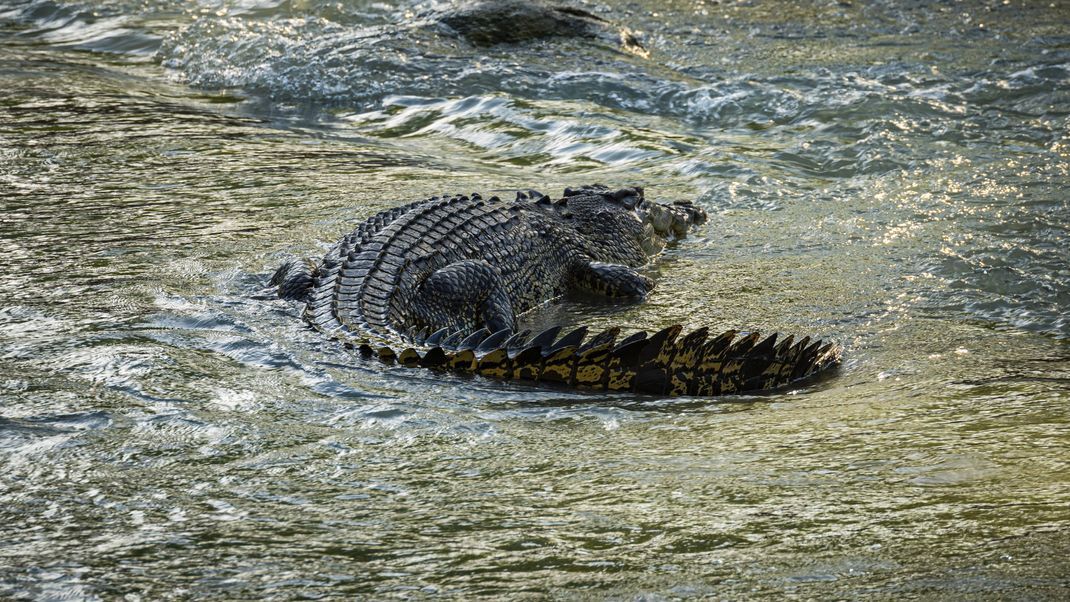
x=368, y=281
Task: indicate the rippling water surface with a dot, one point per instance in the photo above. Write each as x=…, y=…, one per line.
x=892, y=175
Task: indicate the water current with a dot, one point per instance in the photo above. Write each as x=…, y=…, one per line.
x=892, y=175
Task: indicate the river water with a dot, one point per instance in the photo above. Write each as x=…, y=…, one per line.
x=891, y=175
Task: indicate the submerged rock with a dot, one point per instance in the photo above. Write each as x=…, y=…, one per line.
x=460, y=48
x=490, y=22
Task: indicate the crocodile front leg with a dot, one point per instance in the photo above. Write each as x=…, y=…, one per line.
x=464, y=295
x=609, y=280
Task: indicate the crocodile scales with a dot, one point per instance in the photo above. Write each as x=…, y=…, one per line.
x=439, y=284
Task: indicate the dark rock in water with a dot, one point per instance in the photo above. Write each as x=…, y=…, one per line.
x=490, y=22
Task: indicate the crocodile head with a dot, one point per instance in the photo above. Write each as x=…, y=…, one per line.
x=624, y=222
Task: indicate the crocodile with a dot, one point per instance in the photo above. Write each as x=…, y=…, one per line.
x=439, y=283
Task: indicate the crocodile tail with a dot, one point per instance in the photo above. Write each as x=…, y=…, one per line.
x=664, y=363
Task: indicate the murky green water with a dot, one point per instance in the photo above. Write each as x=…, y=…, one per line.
x=893, y=175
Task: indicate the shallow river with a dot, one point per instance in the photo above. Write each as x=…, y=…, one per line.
x=893, y=175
